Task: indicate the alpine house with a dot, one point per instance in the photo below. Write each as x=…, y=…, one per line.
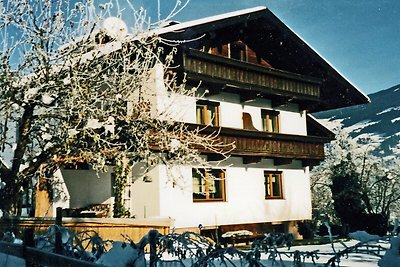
x=258, y=82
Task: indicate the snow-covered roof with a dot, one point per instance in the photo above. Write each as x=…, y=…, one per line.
x=202, y=21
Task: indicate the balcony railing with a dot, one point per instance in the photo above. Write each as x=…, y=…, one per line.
x=269, y=145
x=247, y=76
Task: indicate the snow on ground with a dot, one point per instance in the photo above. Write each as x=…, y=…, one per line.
x=11, y=261
x=120, y=254
x=363, y=236
x=392, y=256
x=324, y=253
x=353, y=260
x=388, y=110
x=395, y=119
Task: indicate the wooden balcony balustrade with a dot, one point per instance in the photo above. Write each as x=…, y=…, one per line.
x=269, y=145
x=250, y=77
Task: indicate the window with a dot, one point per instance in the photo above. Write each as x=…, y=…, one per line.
x=270, y=121
x=238, y=51
x=207, y=113
x=273, y=185
x=208, y=185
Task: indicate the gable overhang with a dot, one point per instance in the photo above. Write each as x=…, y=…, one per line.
x=315, y=128
x=271, y=39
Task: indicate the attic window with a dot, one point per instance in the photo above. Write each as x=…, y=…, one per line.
x=239, y=51
x=221, y=50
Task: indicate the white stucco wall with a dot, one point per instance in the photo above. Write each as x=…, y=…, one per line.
x=164, y=104
x=145, y=200
x=183, y=108
x=245, y=196
x=86, y=187
x=61, y=196
x=291, y=120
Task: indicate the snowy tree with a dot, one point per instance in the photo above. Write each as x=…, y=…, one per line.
x=336, y=154
x=352, y=183
x=380, y=185
x=73, y=89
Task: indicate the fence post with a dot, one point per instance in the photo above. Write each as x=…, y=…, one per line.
x=58, y=223
x=152, y=237
x=29, y=241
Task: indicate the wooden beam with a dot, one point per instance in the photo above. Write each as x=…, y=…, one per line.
x=214, y=89
x=248, y=97
x=215, y=157
x=277, y=102
x=282, y=161
x=310, y=163
x=251, y=159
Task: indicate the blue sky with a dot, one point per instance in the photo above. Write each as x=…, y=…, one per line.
x=360, y=38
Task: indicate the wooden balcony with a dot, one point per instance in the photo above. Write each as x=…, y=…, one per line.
x=253, y=78
x=270, y=145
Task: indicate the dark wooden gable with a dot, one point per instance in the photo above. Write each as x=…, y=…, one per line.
x=272, y=41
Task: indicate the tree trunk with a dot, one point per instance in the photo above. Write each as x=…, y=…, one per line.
x=10, y=197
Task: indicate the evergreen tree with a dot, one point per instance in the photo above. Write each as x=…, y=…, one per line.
x=346, y=193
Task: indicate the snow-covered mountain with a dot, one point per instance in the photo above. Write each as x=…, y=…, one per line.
x=377, y=122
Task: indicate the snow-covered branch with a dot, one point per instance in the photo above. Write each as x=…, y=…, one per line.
x=76, y=87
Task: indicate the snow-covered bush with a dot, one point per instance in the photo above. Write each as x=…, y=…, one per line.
x=354, y=187
x=392, y=256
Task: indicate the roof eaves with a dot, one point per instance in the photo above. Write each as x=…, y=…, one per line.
x=324, y=61
x=176, y=28
x=330, y=134
x=329, y=64
x=202, y=21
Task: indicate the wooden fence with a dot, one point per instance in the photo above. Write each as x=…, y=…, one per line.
x=107, y=228
x=35, y=257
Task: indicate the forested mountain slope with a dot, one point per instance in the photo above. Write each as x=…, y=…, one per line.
x=377, y=122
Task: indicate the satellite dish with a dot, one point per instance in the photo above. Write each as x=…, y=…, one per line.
x=115, y=27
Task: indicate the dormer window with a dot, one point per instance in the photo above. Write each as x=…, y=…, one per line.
x=270, y=121
x=207, y=112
